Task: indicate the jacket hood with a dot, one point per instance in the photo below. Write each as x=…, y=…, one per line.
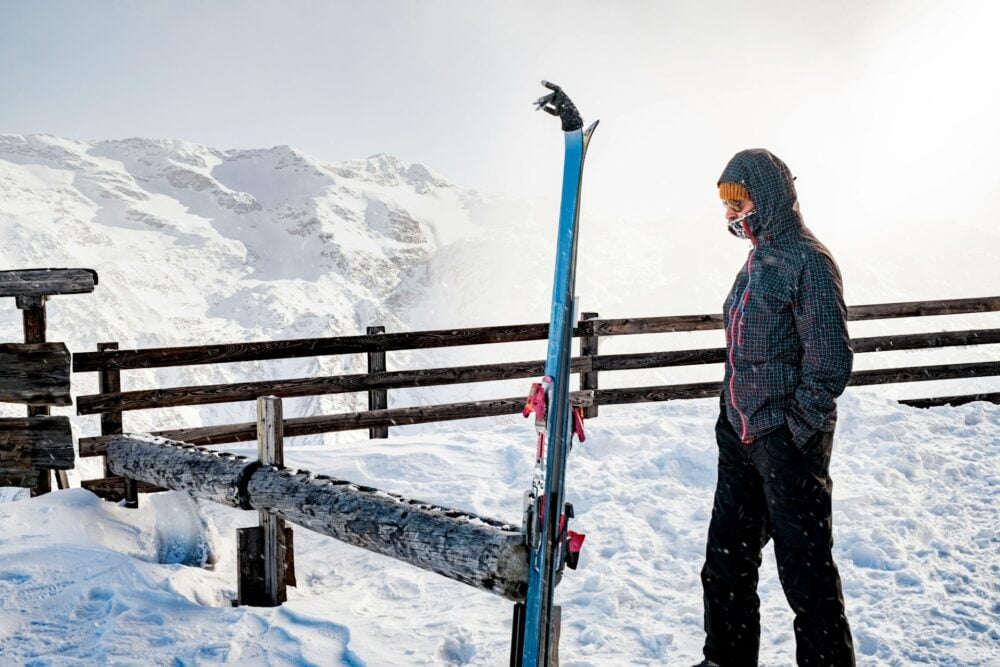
x=772, y=189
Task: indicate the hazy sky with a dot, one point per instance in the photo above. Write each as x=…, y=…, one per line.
x=885, y=110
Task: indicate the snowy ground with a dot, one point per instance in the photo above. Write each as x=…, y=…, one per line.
x=916, y=532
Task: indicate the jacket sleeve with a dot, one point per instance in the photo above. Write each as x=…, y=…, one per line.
x=821, y=320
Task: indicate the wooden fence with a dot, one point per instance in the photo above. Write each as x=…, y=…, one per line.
x=484, y=553
x=36, y=374
x=111, y=403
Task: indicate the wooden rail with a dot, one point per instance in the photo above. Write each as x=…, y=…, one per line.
x=220, y=435
x=249, y=391
x=288, y=349
x=111, y=403
x=482, y=552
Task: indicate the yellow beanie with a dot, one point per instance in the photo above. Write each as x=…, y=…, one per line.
x=731, y=190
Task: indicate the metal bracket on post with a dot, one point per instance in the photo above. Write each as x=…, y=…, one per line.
x=378, y=399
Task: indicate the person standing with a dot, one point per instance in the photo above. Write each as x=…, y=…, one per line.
x=788, y=359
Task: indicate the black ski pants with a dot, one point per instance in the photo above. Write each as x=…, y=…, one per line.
x=773, y=489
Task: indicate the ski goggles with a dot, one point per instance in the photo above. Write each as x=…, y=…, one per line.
x=733, y=204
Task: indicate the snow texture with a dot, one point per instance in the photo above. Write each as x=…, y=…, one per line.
x=195, y=245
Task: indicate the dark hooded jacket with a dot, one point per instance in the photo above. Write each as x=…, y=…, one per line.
x=788, y=351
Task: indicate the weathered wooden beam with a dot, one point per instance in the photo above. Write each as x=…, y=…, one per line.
x=312, y=347
x=44, y=282
x=113, y=488
x=673, y=323
x=484, y=553
x=109, y=382
x=378, y=399
x=992, y=397
x=922, y=341
x=650, y=360
x=108, y=401
x=246, y=432
x=271, y=453
x=288, y=349
x=33, y=314
x=923, y=373
x=489, y=408
x=35, y=374
x=31, y=445
x=336, y=384
x=250, y=565
x=650, y=325
x=250, y=590
x=859, y=378
x=656, y=394
x=517, y=636
x=880, y=311
x=216, y=476
x=589, y=347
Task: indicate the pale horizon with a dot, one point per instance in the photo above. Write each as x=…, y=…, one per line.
x=884, y=112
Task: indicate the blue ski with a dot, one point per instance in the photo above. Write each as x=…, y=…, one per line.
x=546, y=517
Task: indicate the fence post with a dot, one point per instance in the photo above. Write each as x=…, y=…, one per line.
x=265, y=563
x=33, y=314
x=109, y=381
x=517, y=636
x=589, y=348
x=271, y=452
x=378, y=399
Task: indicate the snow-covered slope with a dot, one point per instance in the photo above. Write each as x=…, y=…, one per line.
x=915, y=526
x=195, y=244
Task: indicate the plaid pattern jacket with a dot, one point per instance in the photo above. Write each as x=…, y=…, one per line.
x=788, y=351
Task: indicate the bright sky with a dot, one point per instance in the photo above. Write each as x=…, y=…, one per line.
x=885, y=110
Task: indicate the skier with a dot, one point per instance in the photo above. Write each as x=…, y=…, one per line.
x=788, y=359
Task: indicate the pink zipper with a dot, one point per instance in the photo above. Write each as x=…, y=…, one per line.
x=736, y=338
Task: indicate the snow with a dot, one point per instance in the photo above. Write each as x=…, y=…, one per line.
x=196, y=244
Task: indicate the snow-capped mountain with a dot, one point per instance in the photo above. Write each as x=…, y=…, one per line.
x=196, y=245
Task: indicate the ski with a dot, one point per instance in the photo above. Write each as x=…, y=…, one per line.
x=551, y=545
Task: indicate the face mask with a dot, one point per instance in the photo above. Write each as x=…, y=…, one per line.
x=736, y=225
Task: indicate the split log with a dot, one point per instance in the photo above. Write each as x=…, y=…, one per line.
x=31, y=445
x=484, y=553
x=43, y=282
x=35, y=374
x=216, y=476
